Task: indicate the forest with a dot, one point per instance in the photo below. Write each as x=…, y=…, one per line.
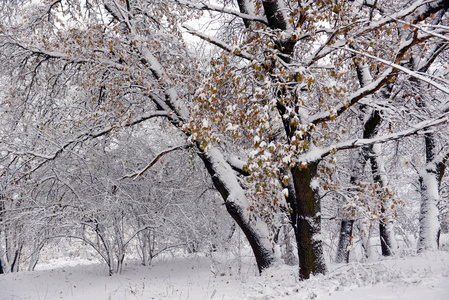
x=310, y=132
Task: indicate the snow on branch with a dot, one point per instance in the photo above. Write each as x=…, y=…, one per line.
x=219, y=43
x=155, y=160
x=406, y=12
x=327, y=48
x=403, y=69
x=87, y=135
x=353, y=98
x=171, y=97
x=37, y=51
x=435, y=33
x=320, y=153
x=211, y=7
x=136, y=121
x=238, y=165
x=377, y=84
x=124, y=13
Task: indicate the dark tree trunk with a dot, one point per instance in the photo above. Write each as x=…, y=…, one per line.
x=379, y=176
x=308, y=225
x=344, y=241
x=385, y=237
x=15, y=261
x=370, y=130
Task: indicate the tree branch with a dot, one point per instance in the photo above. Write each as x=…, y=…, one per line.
x=403, y=69
x=354, y=98
x=441, y=4
x=318, y=154
x=219, y=43
x=155, y=160
x=211, y=7
x=85, y=136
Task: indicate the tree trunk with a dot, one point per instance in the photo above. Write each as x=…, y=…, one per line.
x=347, y=222
x=288, y=250
x=365, y=237
x=429, y=225
x=16, y=260
x=144, y=238
x=370, y=129
x=308, y=225
x=386, y=233
x=35, y=255
x=237, y=204
x=430, y=180
x=344, y=241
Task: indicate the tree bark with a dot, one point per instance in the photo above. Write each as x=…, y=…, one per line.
x=430, y=180
x=371, y=125
x=344, y=240
x=237, y=205
x=371, y=128
x=308, y=225
x=429, y=225
x=387, y=240
x=288, y=254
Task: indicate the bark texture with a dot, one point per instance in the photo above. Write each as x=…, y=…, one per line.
x=255, y=230
x=308, y=224
x=344, y=240
x=430, y=180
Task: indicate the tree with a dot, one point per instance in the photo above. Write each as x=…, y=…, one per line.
x=372, y=119
x=285, y=76
x=118, y=63
x=431, y=176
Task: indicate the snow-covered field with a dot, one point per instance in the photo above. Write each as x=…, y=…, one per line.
x=198, y=277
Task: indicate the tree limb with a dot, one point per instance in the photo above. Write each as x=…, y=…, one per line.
x=219, y=43
x=155, y=160
x=85, y=136
x=211, y=7
x=318, y=154
x=403, y=69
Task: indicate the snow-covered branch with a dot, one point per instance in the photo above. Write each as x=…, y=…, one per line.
x=378, y=83
x=353, y=98
x=238, y=165
x=86, y=136
x=324, y=50
x=320, y=153
x=215, y=8
x=171, y=96
x=423, y=8
x=155, y=160
x=403, y=69
x=219, y=43
x=436, y=33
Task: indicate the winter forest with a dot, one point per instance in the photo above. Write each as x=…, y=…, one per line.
x=255, y=135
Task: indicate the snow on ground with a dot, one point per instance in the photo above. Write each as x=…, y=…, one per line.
x=198, y=277
x=233, y=275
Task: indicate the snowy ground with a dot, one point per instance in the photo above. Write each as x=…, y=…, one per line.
x=198, y=277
